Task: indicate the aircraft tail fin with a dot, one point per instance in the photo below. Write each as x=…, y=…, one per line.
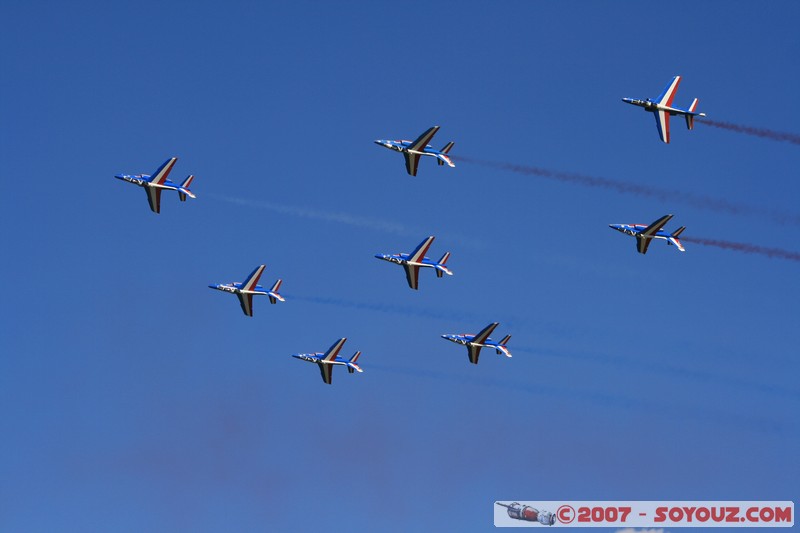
x=442, y=158
x=673, y=239
x=351, y=364
x=501, y=346
x=183, y=190
x=274, y=297
x=441, y=269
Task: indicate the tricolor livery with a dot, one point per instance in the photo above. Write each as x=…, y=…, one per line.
x=327, y=360
x=474, y=343
x=153, y=185
x=250, y=287
x=645, y=234
x=662, y=109
x=413, y=150
x=415, y=260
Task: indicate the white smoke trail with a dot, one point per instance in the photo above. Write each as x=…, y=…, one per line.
x=340, y=217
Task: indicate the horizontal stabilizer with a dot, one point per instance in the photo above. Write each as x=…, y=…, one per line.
x=183, y=190
x=351, y=364
x=677, y=243
x=501, y=346
x=274, y=296
x=442, y=159
x=678, y=231
x=445, y=150
x=440, y=268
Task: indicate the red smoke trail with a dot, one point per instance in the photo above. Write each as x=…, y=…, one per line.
x=696, y=200
x=758, y=132
x=777, y=253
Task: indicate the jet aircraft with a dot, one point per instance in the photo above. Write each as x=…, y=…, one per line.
x=327, y=360
x=413, y=150
x=415, y=260
x=245, y=290
x=474, y=343
x=645, y=234
x=153, y=185
x=662, y=108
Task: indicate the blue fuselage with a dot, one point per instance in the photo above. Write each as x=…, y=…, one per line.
x=143, y=180
x=402, y=146
x=402, y=259
x=635, y=229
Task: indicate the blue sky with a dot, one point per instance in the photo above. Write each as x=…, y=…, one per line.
x=133, y=398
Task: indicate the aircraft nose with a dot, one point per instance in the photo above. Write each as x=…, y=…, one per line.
x=212, y=286
x=378, y=256
x=119, y=176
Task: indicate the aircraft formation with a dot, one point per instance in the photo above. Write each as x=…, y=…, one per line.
x=412, y=151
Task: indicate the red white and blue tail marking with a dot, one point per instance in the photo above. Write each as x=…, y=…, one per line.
x=183, y=190
x=274, y=296
x=440, y=268
x=501, y=346
x=351, y=364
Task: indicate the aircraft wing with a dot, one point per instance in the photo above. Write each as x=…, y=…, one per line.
x=423, y=140
x=662, y=123
x=646, y=235
x=481, y=337
x=412, y=162
x=474, y=352
x=154, y=198
x=333, y=351
x=163, y=171
x=327, y=372
x=668, y=94
x=246, y=301
x=419, y=252
x=252, y=280
x=412, y=276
